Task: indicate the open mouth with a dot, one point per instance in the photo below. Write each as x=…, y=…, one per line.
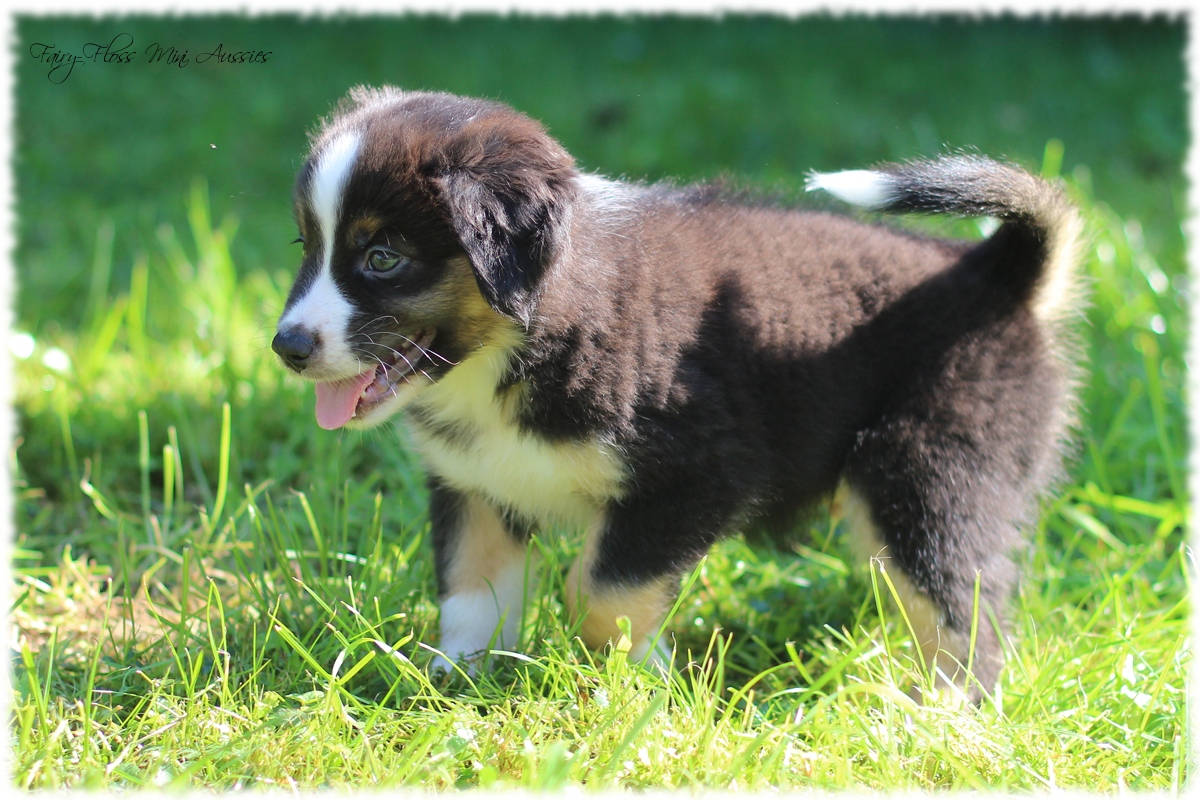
x=338, y=402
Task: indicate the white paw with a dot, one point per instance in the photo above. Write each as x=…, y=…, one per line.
x=472, y=622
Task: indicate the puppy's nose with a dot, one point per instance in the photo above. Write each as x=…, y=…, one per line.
x=294, y=346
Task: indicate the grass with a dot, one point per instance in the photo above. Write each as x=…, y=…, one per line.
x=209, y=592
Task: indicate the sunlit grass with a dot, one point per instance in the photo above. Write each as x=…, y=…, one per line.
x=212, y=593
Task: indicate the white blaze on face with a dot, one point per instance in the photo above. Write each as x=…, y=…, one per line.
x=323, y=309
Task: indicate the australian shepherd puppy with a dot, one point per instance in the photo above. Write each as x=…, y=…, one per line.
x=659, y=366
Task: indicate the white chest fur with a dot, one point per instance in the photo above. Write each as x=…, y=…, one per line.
x=470, y=440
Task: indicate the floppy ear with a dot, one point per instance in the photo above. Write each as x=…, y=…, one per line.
x=508, y=189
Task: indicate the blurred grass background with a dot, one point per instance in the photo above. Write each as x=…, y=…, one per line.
x=762, y=98
x=170, y=480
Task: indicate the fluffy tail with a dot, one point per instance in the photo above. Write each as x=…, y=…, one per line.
x=978, y=186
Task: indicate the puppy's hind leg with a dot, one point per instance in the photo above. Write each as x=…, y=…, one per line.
x=941, y=487
x=944, y=639
x=482, y=565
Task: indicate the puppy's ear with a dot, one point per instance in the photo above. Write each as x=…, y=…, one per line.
x=508, y=188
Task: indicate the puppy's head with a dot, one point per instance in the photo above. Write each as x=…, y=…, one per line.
x=428, y=222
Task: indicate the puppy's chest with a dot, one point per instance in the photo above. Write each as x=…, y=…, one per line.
x=470, y=438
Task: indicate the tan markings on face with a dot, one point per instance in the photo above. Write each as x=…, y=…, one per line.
x=931, y=635
x=455, y=306
x=362, y=229
x=476, y=322
x=601, y=605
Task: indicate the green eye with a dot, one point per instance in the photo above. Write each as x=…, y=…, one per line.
x=382, y=260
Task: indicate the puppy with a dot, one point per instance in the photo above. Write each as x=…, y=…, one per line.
x=659, y=367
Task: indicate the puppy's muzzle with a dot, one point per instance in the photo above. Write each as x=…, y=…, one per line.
x=295, y=346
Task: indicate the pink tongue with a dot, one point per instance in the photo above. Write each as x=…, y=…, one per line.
x=336, y=401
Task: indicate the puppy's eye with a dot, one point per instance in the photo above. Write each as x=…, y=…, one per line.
x=381, y=261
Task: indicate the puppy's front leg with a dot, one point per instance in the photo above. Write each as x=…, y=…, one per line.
x=598, y=601
x=481, y=567
x=630, y=566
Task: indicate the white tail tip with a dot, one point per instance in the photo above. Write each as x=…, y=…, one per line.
x=858, y=187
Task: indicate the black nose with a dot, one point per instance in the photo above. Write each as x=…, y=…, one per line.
x=294, y=346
